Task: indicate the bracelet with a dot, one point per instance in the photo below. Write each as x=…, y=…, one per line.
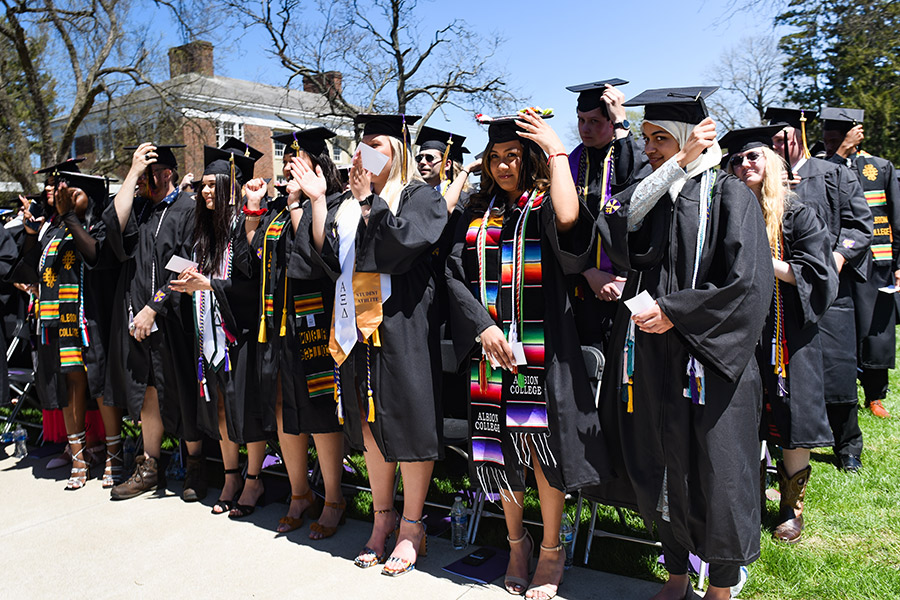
x=466, y=171
x=294, y=205
x=254, y=213
x=552, y=156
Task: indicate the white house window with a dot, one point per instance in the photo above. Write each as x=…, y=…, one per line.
x=279, y=150
x=227, y=129
x=336, y=153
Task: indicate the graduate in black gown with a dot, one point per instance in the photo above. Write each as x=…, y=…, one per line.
x=876, y=313
x=8, y=255
x=150, y=358
x=530, y=399
x=224, y=300
x=378, y=240
x=73, y=314
x=790, y=352
x=686, y=390
x=606, y=162
x=838, y=199
x=296, y=371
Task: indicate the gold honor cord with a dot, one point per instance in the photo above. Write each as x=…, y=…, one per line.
x=233, y=182
x=806, y=153
x=404, y=164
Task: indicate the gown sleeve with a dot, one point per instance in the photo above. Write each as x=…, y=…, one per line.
x=304, y=261
x=392, y=244
x=893, y=199
x=238, y=295
x=720, y=321
x=468, y=318
x=122, y=243
x=809, y=254
x=855, y=234
x=574, y=249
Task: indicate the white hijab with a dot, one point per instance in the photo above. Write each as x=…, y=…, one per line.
x=681, y=132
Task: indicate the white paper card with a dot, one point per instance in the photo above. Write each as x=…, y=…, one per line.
x=178, y=264
x=518, y=349
x=310, y=321
x=373, y=161
x=890, y=289
x=640, y=303
x=620, y=285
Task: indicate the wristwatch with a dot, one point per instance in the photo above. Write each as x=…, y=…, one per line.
x=622, y=124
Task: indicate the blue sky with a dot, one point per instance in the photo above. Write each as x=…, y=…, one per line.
x=550, y=45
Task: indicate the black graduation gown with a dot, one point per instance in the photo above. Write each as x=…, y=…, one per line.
x=799, y=419
x=876, y=312
x=594, y=317
x=153, y=234
x=8, y=255
x=839, y=201
x=575, y=440
x=238, y=299
x=708, y=454
x=285, y=356
x=406, y=369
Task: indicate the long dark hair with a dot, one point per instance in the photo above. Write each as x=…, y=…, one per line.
x=212, y=228
x=333, y=184
x=534, y=173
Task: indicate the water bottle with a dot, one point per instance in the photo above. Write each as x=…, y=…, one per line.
x=458, y=518
x=567, y=538
x=21, y=438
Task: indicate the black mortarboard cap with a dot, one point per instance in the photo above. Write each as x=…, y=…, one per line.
x=218, y=162
x=70, y=165
x=842, y=119
x=95, y=186
x=505, y=128
x=391, y=125
x=741, y=140
x=164, y=154
x=430, y=138
x=682, y=104
x=590, y=95
x=243, y=148
x=311, y=141
x=789, y=116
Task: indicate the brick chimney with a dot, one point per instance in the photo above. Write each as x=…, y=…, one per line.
x=332, y=81
x=194, y=57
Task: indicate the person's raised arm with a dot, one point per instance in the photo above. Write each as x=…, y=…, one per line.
x=456, y=187
x=562, y=187
x=143, y=157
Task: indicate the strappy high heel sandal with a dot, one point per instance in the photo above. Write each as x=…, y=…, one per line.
x=224, y=505
x=546, y=591
x=292, y=523
x=79, y=474
x=245, y=510
x=112, y=473
x=370, y=557
x=317, y=531
x=517, y=585
x=398, y=566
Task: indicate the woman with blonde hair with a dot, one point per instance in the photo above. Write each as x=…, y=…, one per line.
x=376, y=242
x=790, y=352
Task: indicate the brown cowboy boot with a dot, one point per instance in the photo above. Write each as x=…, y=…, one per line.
x=144, y=479
x=791, y=513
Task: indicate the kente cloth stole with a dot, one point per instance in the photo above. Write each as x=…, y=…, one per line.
x=358, y=304
x=872, y=180
x=270, y=281
x=62, y=300
x=505, y=260
x=779, y=340
x=312, y=322
x=213, y=337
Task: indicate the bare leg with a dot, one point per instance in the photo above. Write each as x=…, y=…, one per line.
x=416, y=479
x=295, y=449
x=330, y=449
x=520, y=549
x=381, y=480
x=795, y=460
x=230, y=459
x=253, y=488
x=552, y=559
x=675, y=588
x=151, y=424
x=112, y=424
x=73, y=417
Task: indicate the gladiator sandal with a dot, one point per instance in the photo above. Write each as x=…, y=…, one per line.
x=112, y=474
x=369, y=557
x=793, y=489
x=79, y=474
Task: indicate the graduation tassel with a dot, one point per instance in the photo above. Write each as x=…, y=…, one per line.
x=482, y=374
x=806, y=153
x=233, y=182
x=404, y=160
x=375, y=338
x=262, y=338
x=371, y=415
x=630, y=388
x=444, y=162
x=337, y=393
x=200, y=377
x=283, y=331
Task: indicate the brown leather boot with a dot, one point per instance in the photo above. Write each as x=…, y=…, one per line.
x=144, y=479
x=195, y=486
x=793, y=490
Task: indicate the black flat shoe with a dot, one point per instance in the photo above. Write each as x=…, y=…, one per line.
x=850, y=463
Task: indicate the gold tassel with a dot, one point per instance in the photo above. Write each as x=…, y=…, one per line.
x=444, y=159
x=404, y=159
x=233, y=182
x=375, y=338
x=371, y=415
x=262, y=328
x=283, y=331
x=806, y=153
x=630, y=395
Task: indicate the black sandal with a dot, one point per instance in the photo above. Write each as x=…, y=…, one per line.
x=223, y=505
x=239, y=511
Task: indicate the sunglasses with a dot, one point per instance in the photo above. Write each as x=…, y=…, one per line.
x=738, y=159
x=426, y=158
